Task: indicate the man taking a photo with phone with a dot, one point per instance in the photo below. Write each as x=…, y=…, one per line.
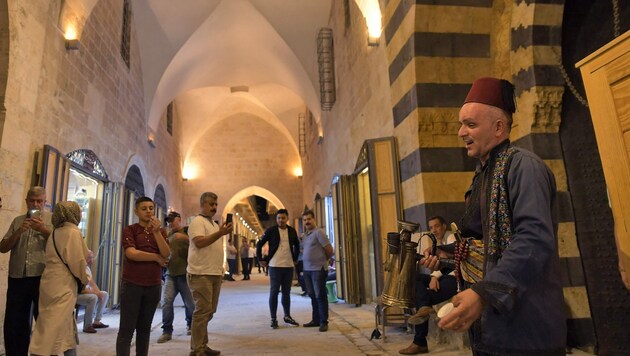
x=26, y=239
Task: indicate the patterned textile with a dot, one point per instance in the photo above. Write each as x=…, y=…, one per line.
x=66, y=211
x=471, y=254
x=499, y=213
x=471, y=265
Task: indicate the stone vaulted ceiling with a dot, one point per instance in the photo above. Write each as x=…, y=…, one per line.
x=194, y=51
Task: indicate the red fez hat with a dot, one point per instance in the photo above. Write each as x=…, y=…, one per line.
x=494, y=92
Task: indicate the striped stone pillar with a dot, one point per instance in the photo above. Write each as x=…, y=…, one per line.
x=536, y=34
x=436, y=49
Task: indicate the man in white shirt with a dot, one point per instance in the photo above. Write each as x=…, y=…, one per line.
x=284, y=247
x=432, y=289
x=205, y=270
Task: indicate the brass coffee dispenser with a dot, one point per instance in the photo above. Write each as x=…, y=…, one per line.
x=400, y=286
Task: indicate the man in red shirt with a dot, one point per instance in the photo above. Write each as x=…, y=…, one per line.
x=146, y=252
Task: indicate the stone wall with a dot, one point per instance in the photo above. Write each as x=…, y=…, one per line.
x=362, y=110
x=238, y=153
x=85, y=99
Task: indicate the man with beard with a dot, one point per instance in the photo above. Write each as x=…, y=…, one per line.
x=284, y=247
x=205, y=270
x=317, y=251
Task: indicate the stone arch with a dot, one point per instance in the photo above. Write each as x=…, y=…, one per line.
x=89, y=162
x=248, y=106
x=161, y=182
x=252, y=190
x=159, y=197
x=137, y=162
x=135, y=182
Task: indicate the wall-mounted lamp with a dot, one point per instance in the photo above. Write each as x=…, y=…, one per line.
x=374, y=32
x=72, y=45
x=189, y=171
x=70, y=35
x=297, y=171
x=372, y=12
x=185, y=179
x=320, y=139
x=151, y=140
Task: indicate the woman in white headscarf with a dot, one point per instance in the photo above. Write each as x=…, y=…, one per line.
x=55, y=330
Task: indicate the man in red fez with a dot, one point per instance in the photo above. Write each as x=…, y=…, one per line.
x=514, y=305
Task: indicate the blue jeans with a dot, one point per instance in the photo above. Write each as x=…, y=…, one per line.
x=91, y=301
x=175, y=285
x=315, y=282
x=137, y=307
x=280, y=277
x=299, y=269
x=231, y=267
x=246, y=268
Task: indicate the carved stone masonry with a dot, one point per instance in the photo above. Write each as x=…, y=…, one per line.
x=547, y=109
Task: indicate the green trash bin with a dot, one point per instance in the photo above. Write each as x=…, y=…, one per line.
x=331, y=288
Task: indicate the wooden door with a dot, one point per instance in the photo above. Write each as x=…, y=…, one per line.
x=606, y=75
x=348, y=241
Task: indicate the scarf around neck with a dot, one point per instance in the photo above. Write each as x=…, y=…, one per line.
x=499, y=211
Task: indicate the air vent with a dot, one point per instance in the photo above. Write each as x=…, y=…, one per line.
x=240, y=88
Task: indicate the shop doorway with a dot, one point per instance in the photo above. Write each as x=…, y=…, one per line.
x=348, y=242
x=87, y=181
x=365, y=207
x=88, y=193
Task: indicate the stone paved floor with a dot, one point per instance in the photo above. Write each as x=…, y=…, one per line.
x=241, y=326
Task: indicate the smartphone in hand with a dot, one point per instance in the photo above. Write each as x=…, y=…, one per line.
x=34, y=213
x=228, y=219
